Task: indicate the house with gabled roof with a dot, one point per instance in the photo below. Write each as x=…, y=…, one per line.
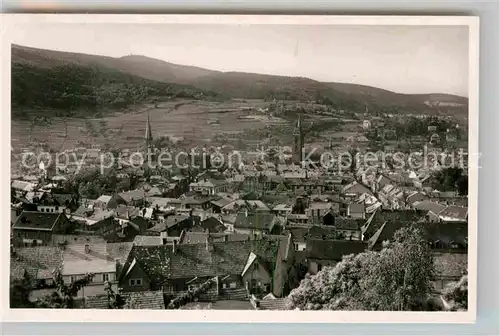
x=321, y=253
x=248, y=266
x=453, y=213
x=33, y=228
x=432, y=209
x=241, y=205
x=254, y=223
x=38, y=263
x=442, y=237
x=134, y=197
x=209, y=186
x=82, y=259
x=381, y=215
x=355, y=189
x=416, y=196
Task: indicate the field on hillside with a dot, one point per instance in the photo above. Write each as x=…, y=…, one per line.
x=195, y=120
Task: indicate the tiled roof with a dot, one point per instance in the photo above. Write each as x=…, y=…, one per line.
x=118, y=250
x=333, y=249
x=358, y=208
x=161, y=263
x=320, y=206
x=39, y=261
x=445, y=233
x=146, y=300
x=147, y=240
x=77, y=261
x=126, y=212
x=454, y=212
x=221, y=202
x=169, y=222
x=133, y=195
x=201, y=237
x=273, y=304
x=428, y=205
x=76, y=239
x=299, y=235
x=380, y=216
x=220, y=305
x=254, y=220
x=36, y=220
x=321, y=232
x=212, y=224
x=23, y=185
x=450, y=264
x=83, y=211
x=135, y=300
x=248, y=204
x=104, y=199
x=348, y=223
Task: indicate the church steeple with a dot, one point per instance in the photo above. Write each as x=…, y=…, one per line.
x=298, y=140
x=149, y=135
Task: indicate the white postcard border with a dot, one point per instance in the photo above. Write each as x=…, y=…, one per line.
x=16, y=21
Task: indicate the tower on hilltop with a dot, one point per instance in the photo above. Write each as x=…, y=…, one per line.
x=298, y=134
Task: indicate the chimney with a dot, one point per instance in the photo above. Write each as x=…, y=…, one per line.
x=118, y=264
x=87, y=248
x=209, y=245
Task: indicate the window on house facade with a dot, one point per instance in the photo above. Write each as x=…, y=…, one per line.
x=135, y=282
x=255, y=266
x=224, y=285
x=267, y=287
x=253, y=285
x=72, y=279
x=232, y=285
x=105, y=277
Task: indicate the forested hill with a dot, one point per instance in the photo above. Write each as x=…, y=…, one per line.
x=43, y=80
x=82, y=89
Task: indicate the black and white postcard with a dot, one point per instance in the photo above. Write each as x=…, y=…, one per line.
x=240, y=168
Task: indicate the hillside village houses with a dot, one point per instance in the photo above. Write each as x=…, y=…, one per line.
x=230, y=236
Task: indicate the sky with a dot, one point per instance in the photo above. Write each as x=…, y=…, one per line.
x=405, y=59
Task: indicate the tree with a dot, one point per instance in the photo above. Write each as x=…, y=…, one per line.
x=62, y=297
x=462, y=185
x=401, y=277
x=65, y=294
x=396, y=278
x=20, y=290
x=456, y=294
x=450, y=179
x=295, y=275
x=115, y=300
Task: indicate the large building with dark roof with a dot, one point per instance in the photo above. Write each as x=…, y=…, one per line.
x=33, y=228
